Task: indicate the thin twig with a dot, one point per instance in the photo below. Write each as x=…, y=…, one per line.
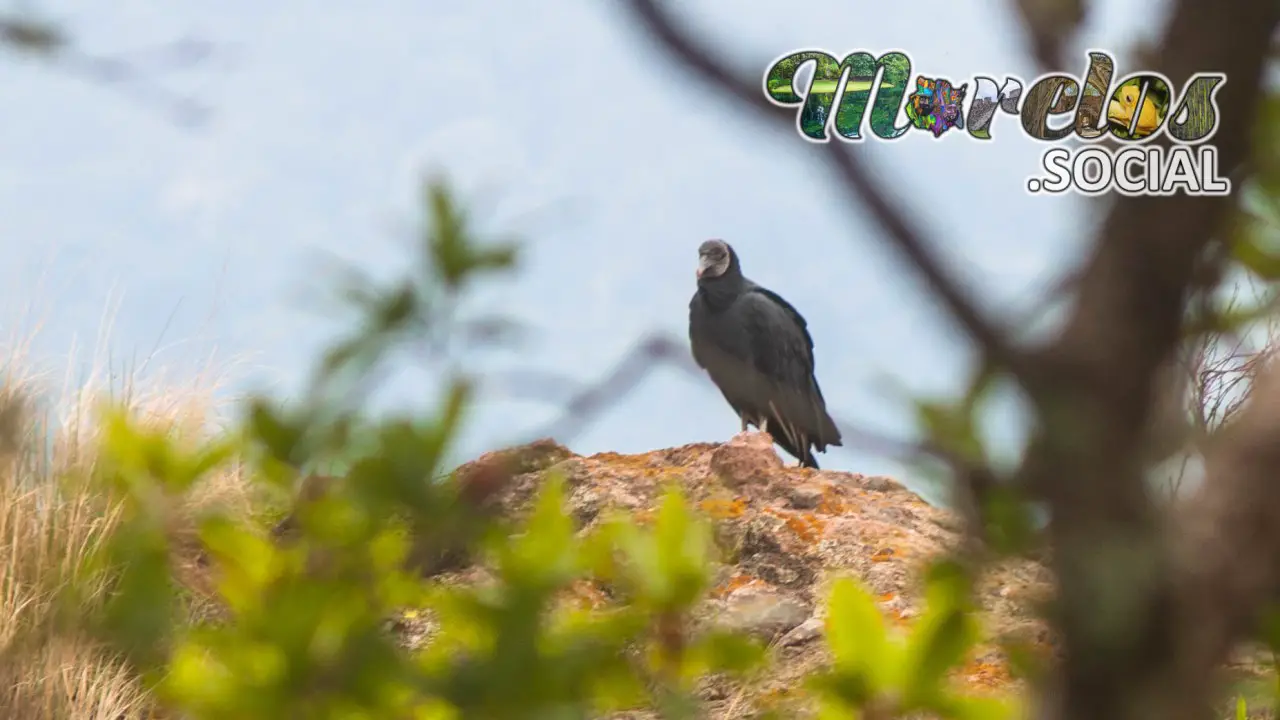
x=902, y=234
x=656, y=350
x=46, y=41
x=1049, y=24
x=1092, y=390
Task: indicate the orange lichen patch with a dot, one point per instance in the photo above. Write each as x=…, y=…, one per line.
x=645, y=516
x=807, y=526
x=885, y=554
x=985, y=673
x=739, y=580
x=888, y=597
x=832, y=503
x=668, y=476
x=586, y=595
x=642, y=465
x=897, y=617
x=723, y=508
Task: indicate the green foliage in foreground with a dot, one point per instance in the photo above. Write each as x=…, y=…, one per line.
x=302, y=628
x=870, y=669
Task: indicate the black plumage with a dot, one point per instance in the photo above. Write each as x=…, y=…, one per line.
x=757, y=349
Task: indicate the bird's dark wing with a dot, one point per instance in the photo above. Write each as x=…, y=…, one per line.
x=782, y=351
x=723, y=349
x=780, y=342
x=801, y=325
x=795, y=315
x=697, y=322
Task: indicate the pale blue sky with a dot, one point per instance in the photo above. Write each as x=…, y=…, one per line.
x=558, y=116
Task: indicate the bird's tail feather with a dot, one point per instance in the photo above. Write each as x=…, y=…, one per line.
x=790, y=438
x=830, y=433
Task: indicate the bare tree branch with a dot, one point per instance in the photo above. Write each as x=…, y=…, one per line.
x=625, y=376
x=902, y=234
x=37, y=38
x=587, y=402
x=1228, y=539
x=1049, y=24
x=1126, y=652
x=1088, y=458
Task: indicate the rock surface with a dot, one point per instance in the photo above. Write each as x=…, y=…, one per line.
x=788, y=532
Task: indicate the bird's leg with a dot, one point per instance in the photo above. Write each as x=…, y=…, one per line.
x=764, y=425
x=743, y=416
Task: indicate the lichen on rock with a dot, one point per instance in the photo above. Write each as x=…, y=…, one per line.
x=783, y=534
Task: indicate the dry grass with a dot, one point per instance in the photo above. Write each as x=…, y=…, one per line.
x=49, y=527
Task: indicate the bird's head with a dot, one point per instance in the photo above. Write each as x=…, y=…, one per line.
x=715, y=258
x=1121, y=108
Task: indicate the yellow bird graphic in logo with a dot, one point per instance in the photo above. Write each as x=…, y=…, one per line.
x=1124, y=106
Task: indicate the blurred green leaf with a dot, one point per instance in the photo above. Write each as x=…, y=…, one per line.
x=453, y=256
x=560, y=626
x=246, y=562
x=1250, y=248
x=942, y=636
x=684, y=550
x=721, y=651
x=954, y=426
x=979, y=708
x=1010, y=526
x=543, y=555
x=1269, y=627
x=1266, y=145
x=857, y=637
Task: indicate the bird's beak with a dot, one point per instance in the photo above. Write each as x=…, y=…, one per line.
x=1116, y=111
x=703, y=264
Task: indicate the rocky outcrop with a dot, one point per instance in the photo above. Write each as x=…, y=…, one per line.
x=785, y=532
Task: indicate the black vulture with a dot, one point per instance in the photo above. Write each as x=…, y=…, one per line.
x=757, y=349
